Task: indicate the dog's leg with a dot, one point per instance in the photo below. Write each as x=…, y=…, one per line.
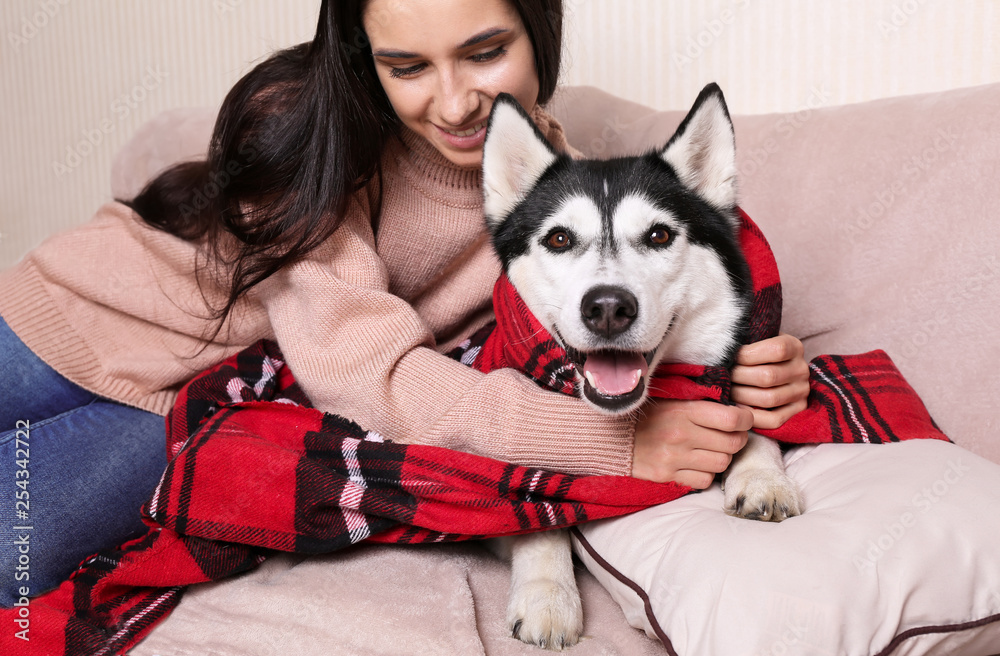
x=756, y=485
x=544, y=606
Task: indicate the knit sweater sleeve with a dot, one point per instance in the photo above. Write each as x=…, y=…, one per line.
x=360, y=352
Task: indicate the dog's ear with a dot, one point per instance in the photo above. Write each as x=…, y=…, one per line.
x=703, y=150
x=515, y=155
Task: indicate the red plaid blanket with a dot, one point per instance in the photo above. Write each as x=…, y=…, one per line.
x=253, y=469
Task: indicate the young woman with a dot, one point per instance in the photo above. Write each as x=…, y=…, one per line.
x=339, y=212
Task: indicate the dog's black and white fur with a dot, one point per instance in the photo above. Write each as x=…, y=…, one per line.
x=627, y=262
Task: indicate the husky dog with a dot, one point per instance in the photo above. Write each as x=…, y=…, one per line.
x=627, y=262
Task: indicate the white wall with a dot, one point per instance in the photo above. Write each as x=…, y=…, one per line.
x=779, y=55
x=78, y=76
x=75, y=73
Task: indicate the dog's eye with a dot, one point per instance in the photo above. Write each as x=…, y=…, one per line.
x=558, y=240
x=659, y=236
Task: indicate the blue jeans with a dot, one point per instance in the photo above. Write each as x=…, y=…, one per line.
x=74, y=469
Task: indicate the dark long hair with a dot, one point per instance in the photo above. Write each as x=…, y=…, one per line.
x=294, y=139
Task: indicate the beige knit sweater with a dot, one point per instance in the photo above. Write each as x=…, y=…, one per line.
x=114, y=305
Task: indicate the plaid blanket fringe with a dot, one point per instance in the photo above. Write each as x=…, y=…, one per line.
x=254, y=469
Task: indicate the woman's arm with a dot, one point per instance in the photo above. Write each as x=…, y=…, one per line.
x=363, y=353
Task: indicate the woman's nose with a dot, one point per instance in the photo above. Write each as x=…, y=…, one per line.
x=458, y=99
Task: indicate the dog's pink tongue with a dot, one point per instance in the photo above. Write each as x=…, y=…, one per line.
x=613, y=373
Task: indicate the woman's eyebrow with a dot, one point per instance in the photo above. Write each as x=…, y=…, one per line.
x=485, y=35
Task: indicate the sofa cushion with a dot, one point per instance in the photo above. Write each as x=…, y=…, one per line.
x=895, y=554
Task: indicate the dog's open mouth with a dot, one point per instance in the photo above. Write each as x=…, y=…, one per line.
x=613, y=380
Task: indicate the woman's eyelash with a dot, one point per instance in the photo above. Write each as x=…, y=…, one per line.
x=492, y=54
x=479, y=58
x=403, y=72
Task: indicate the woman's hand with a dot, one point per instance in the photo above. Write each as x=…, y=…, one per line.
x=772, y=378
x=688, y=442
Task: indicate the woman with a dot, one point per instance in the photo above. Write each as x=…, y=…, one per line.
x=339, y=212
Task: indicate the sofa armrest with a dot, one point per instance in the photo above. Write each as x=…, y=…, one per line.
x=172, y=137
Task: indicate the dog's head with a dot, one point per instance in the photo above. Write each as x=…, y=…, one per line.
x=626, y=262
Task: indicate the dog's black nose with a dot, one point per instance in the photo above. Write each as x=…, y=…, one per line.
x=608, y=311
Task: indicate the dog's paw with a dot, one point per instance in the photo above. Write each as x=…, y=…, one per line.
x=767, y=495
x=546, y=613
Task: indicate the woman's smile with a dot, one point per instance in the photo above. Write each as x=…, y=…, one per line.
x=466, y=139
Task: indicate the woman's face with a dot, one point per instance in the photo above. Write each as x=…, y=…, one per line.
x=442, y=62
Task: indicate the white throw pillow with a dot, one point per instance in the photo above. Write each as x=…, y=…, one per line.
x=898, y=552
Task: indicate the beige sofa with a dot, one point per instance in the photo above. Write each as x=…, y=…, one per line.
x=885, y=222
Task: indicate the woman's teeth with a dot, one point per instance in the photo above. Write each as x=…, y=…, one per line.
x=468, y=133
